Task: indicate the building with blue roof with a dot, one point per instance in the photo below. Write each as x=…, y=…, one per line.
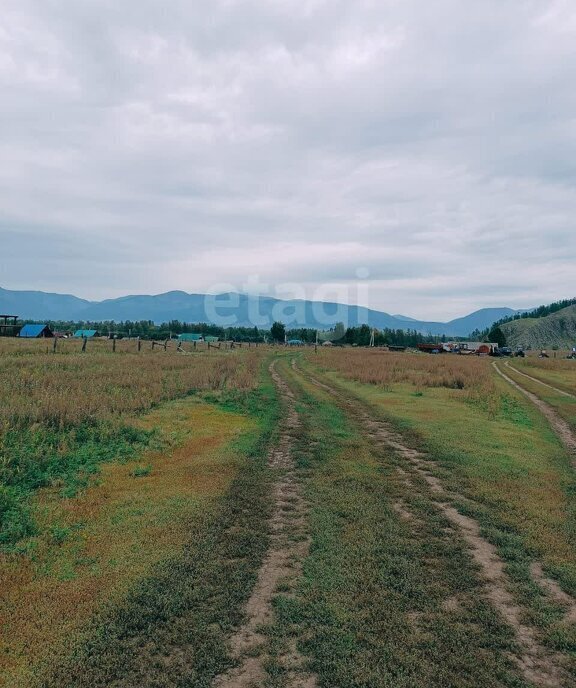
x=190, y=337
x=80, y=334
x=35, y=331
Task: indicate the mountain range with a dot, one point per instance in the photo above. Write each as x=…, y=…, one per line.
x=229, y=310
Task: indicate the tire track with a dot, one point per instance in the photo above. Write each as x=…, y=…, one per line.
x=289, y=545
x=559, y=425
x=539, y=665
x=540, y=382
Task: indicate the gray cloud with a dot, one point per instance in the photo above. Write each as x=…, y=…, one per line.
x=152, y=146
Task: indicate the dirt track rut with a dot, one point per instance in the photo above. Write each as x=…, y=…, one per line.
x=540, y=382
x=559, y=425
x=289, y=545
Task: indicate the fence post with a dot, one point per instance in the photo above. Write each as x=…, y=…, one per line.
x=54, y=345
x=114, y=344
x=84, y=342
x=139, y=344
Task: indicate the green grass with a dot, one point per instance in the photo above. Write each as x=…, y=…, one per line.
x=385, y=600
x=171, y=630
x=513, y=474
x=69, y=458
x=565, y=406
x=370, y=606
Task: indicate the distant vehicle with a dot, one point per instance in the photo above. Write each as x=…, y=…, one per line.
x=505, y=351
x=430, y=348
x=519, y=352
x=543, y=354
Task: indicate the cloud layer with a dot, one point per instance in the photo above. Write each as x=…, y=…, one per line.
x=149, y=146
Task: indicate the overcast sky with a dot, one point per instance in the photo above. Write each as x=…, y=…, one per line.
x=421, y=154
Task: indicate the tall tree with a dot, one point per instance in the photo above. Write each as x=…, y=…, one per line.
x=278, y=332
x=497, y=336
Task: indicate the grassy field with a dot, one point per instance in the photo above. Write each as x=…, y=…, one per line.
x=111, y=466
x=388, y=596
x=559, y=372
x=559, y=376
x=138, y=504
x=492, y=447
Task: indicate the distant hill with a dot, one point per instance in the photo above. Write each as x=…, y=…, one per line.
x=40, y=305
x=557, y=329
x=478, y=319
x=229, y=309
x=398, y=316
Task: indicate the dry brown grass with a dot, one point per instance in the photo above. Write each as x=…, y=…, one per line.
x=374, y=366
x=68, y=388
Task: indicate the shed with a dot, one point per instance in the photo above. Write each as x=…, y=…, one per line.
x=210, y=338
x=190, y=337
x=86, y=333
x=295, y=342
x=35, y=331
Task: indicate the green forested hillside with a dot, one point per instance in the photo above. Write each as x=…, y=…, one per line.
x=557, y=329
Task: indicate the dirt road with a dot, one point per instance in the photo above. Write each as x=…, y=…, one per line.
x=559, y=425
x=539, y=665
x=289, y=546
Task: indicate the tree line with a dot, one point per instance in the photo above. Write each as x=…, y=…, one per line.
x=339, y=334
x=360, y=336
